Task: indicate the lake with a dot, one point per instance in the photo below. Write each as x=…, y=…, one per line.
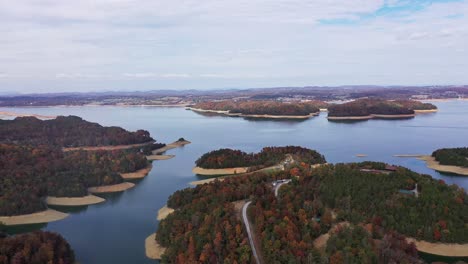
x=114, y=232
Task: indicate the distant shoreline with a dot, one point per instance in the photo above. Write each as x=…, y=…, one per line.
x=254, y=115
x=371, y=116
x=13, y=114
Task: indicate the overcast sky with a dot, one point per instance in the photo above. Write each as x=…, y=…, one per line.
x=102, y=45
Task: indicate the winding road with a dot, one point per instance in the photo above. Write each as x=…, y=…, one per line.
x=278, y=186
x=249, y=231
x=247, y=223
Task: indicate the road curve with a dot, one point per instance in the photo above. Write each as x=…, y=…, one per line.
x=249, y=232
x=279, y=185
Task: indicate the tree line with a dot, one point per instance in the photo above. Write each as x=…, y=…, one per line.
x=67, y=131
x=365, y=107
x=253, y=107
x=268, y=156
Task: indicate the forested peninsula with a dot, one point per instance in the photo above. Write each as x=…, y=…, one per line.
x=448, y=160
x=261, y=109
x=345, y=213
x=33, y=164
x=363, y=109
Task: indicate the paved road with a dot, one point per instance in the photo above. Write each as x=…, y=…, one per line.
x=249, y=232
x=279, y=185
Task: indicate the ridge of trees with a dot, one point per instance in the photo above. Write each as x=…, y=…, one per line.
x=452, y=156
x=67, y=131
x=268, y=156
x=264, y=107
x=365, y=107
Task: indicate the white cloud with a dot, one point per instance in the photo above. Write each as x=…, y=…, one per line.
x=193, y=44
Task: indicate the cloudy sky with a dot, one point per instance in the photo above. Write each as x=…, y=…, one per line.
x=102, y=45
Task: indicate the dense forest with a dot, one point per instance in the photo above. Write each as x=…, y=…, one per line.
x=264, y=107
x=365, y=107
x=66, y=131
x=415, y=105
x=452, y=156
x=36, y=248
x=372, y=197
x=355, y=245
x=269, y=156
x=29, y=173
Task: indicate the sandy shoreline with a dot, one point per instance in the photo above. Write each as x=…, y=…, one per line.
x=74, y=201
x=159, y=157
x=4, y=113
x=441, y=249
x=200, y=182
x=426, y=111
x=408, y=155
x=164, y=212
x=46, y=216
x=116, y=147
x=213, y=172
x=137, y=174
x=255, y=116
x=349, y=117
x=173, y=145
x=372, y=116
x=152, y=248
x=111, y=188
x=435, y=165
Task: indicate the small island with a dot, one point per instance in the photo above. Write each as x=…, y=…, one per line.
x=449, y=160
x=364, y=109
x=228, y=161
x=61, y=161
x=262, y=109
x=366, y=212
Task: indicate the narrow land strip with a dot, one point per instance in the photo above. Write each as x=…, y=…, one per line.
x=442, y=249
x=137, y=174
x=159, y=157
x=173, y=145
x=432, y=163
x=115, y=147
x=111, y=188
x=213, y=172
x=46, y=216
x=74, y=201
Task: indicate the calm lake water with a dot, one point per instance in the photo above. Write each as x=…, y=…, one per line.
x=114, y=232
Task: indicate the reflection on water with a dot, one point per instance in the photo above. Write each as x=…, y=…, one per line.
x=19, y=229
